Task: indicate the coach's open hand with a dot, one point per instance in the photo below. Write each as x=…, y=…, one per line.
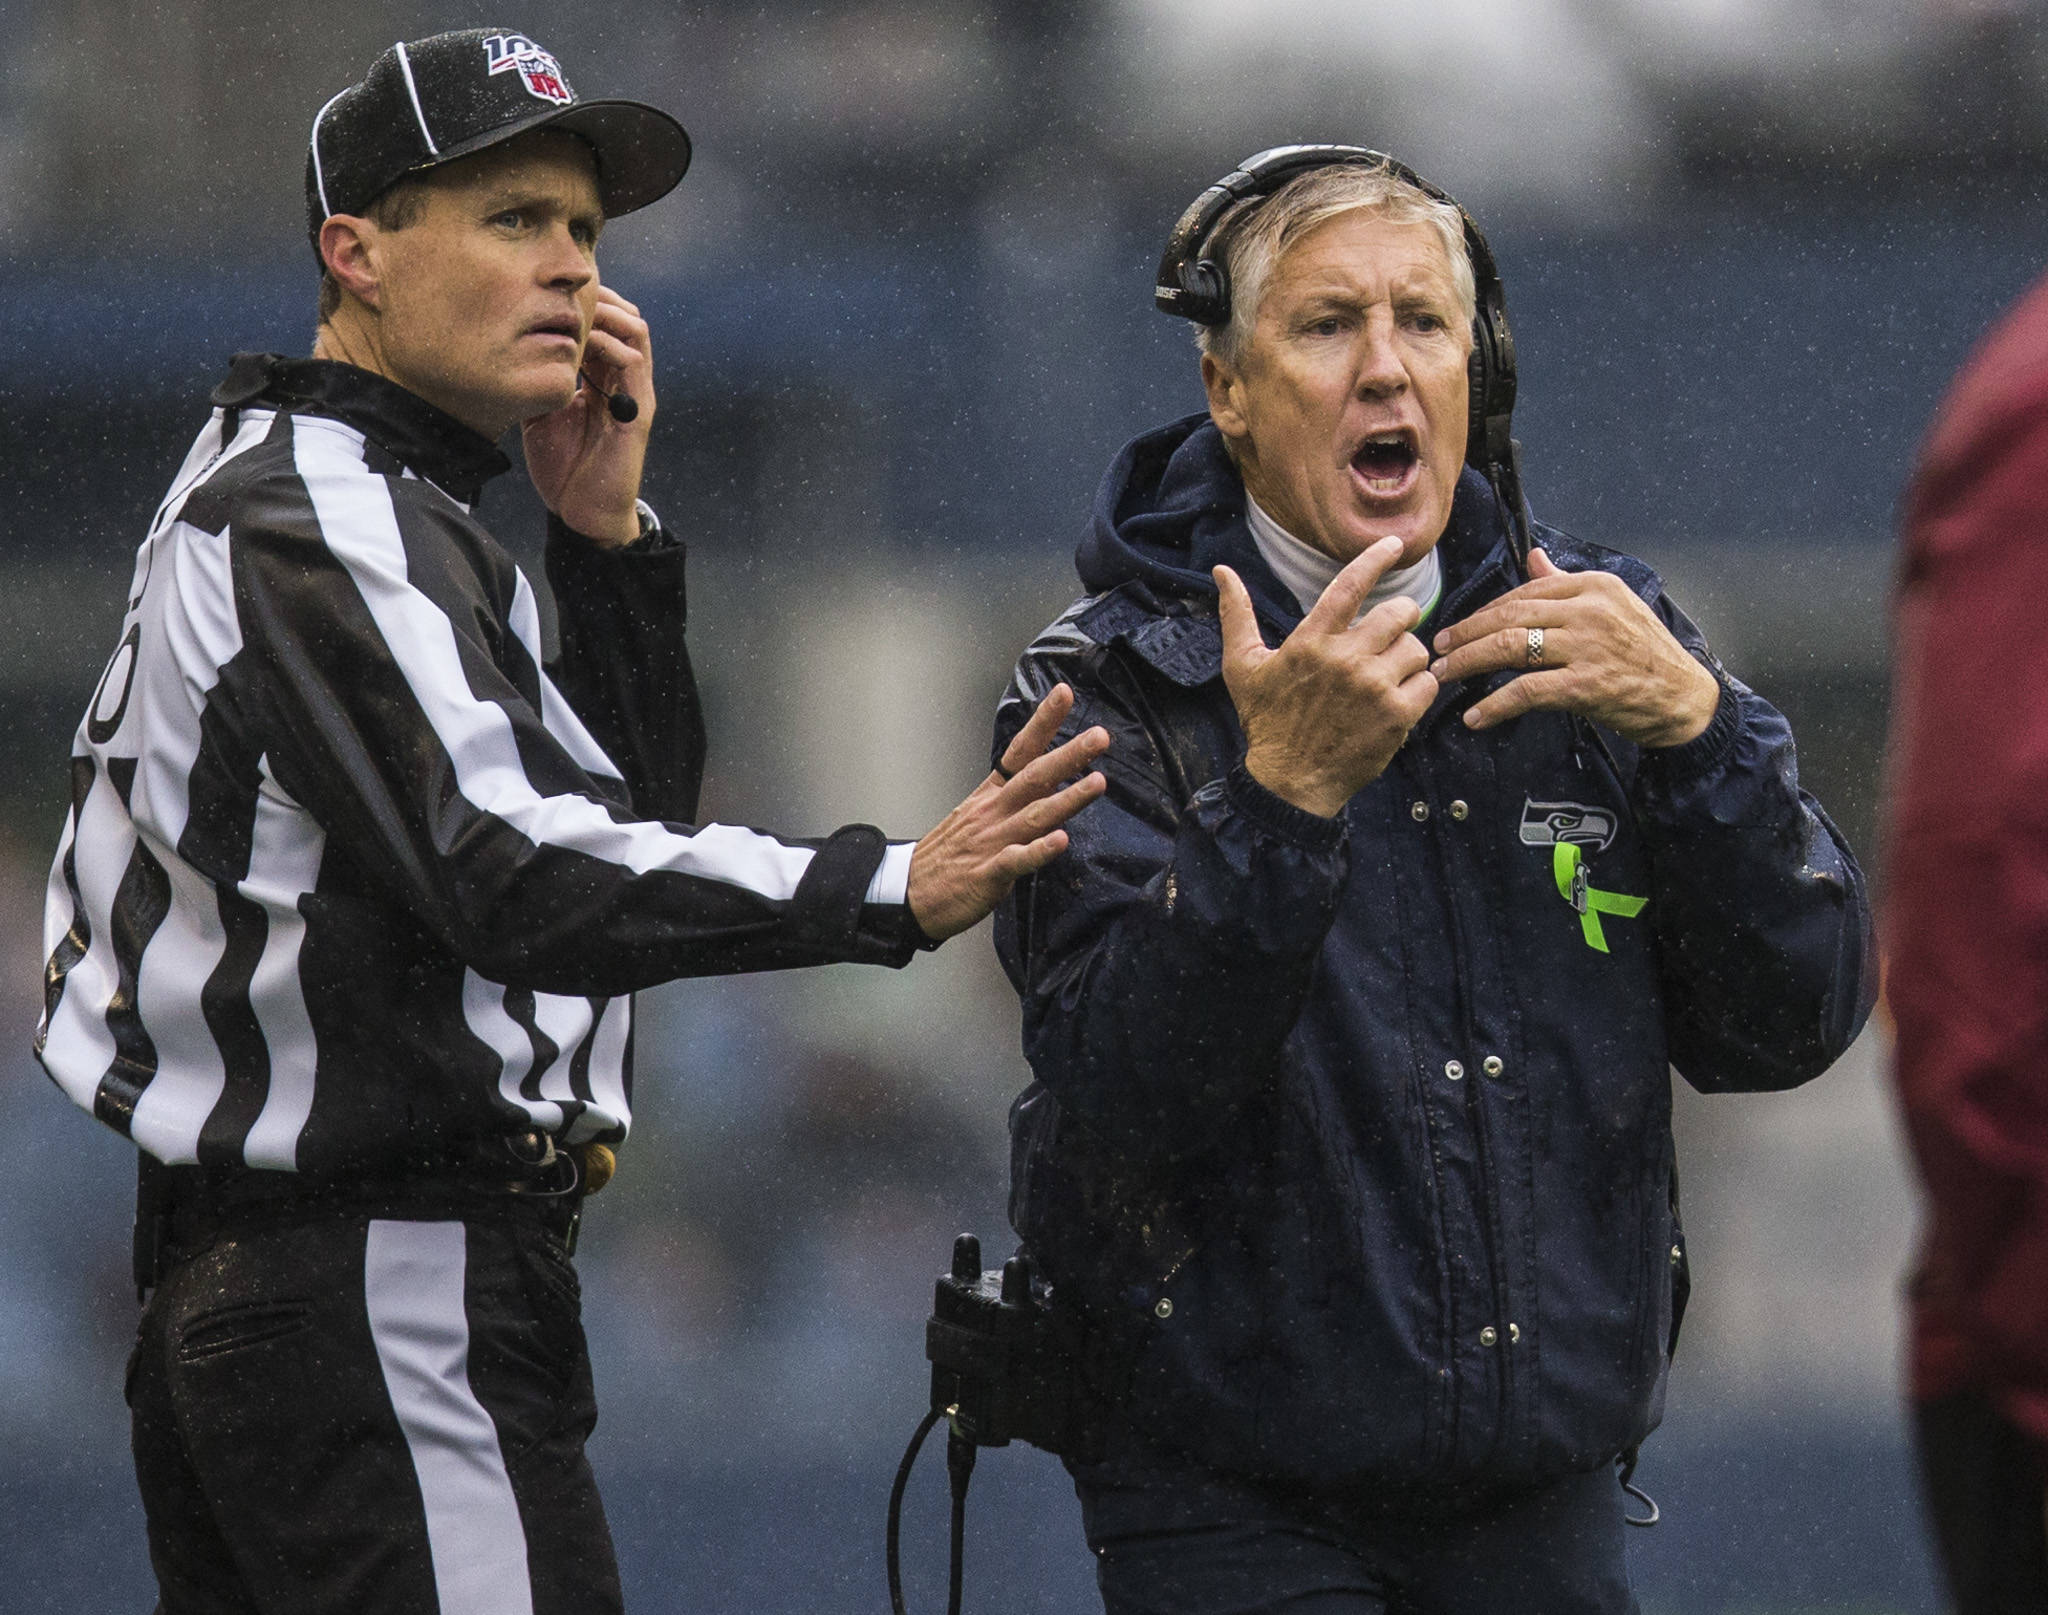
x=1007, y=827
x=585, y=465
x=1606, y=656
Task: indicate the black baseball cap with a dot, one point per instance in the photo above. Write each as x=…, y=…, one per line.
x=430, y=101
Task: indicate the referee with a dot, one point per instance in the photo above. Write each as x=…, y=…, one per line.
x=354, y=891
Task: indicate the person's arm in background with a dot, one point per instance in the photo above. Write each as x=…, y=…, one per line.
x=1966, y=900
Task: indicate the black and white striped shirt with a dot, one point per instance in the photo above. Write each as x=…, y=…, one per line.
x=349, y=879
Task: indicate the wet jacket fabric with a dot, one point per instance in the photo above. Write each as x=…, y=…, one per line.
x=1354, y=1134
x=1966, y=906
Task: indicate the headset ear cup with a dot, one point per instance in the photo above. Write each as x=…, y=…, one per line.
x=1478, y=393
x=1208, y=289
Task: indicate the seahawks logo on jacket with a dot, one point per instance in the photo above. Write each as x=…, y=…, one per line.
x=1546, y=824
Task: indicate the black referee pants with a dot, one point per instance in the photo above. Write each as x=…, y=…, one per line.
x=343, y=1413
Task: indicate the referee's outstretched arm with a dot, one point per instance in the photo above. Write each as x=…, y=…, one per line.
x=503, y=825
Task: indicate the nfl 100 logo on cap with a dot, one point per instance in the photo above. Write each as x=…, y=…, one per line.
x=539, y=71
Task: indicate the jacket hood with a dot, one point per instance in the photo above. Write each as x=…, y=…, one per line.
x=1172, y=505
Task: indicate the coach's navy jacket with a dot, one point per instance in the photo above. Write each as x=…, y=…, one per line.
x=1355, y=1134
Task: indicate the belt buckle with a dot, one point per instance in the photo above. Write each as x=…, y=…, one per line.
x=533, y=1149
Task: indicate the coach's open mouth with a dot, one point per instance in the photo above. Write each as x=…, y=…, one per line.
x=1386, y=461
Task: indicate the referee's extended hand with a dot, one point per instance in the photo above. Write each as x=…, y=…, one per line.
x=1008, y=826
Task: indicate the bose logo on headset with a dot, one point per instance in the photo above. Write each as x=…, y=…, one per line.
x=1195, y=286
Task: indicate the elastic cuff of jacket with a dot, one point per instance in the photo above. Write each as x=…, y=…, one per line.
x=644, y=578
x=825, y=912
x=1673, y=766
x=1275, y=813
x=655, y=540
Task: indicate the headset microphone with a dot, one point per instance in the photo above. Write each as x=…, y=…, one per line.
x=622, y=406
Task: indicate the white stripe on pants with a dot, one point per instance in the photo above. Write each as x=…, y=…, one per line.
x=413, y=1285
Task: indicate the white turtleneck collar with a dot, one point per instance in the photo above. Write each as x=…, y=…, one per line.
x=1307, y=571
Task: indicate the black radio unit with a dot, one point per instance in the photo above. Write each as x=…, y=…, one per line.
x=1007, y=1365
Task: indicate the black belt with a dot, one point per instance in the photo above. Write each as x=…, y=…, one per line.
x=181, y=1210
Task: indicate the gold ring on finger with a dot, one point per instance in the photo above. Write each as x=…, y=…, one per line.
x=1534, y=656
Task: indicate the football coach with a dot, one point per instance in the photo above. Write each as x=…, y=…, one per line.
x=1433, y=841
x=355, y=890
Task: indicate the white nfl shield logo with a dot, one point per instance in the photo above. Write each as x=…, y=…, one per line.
x=537, y=70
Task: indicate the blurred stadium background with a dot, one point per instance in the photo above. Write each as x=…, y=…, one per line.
x=902, y=321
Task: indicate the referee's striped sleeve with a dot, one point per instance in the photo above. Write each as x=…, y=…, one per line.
x=381, y=669
x=625, y=664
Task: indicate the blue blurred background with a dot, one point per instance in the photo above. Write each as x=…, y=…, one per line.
x=902, y=320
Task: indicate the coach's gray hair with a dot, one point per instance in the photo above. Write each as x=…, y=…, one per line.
x=1260, y=235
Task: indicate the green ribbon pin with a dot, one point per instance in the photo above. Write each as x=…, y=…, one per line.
x=1589, y=901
